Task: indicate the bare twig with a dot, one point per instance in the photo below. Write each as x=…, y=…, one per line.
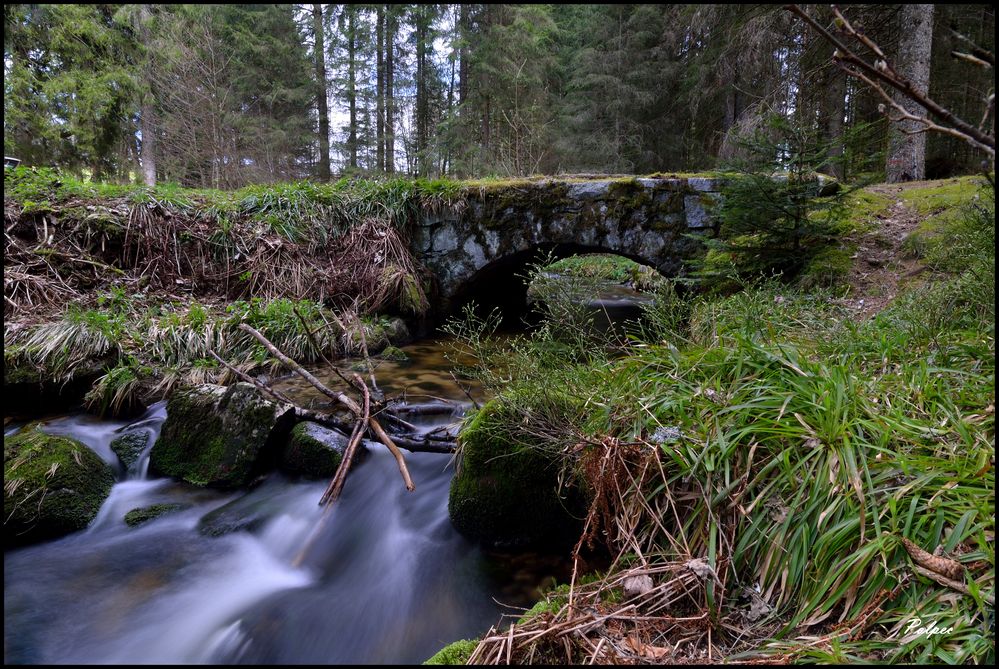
x=883, y=72
x=343, y=399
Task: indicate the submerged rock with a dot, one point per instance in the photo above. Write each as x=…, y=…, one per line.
x=220, y=436
x=506, y=494
x=129, y=446
x=314, y=451
x=146, y=513
x=52, y=486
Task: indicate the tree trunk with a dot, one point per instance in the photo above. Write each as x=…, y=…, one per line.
x=380, y=89
x=352, y=83
x=321, y=92
x=147, y=150
x=421, y=91
x=834, y=108
x=907, y=152
x=464, y=36
x=390, y=28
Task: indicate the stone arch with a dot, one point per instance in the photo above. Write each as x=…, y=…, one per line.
x=653, y=221
x=502, y=282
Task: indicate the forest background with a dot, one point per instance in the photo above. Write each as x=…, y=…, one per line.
x=222, y=96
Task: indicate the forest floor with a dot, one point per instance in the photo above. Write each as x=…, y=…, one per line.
x=881, y=266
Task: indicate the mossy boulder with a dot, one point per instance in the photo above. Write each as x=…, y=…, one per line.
x=52, y=486
x=313, y=450
x=506, y=492
x=129, y=446
x=394, y=354
x=454, y=653
x=221, y=437
x=146, y=513
x=380, y=333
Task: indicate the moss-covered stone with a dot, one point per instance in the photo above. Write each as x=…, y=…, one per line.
x=52, y=486
x=506, y=491
x=129, y=446
x=394, y=353
x=454, y=653
x=313, y=450
x=146, y=513
x=220, y=437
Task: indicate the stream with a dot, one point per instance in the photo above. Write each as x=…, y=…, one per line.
x=387, y=579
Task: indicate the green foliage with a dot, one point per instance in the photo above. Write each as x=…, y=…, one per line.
x=454, y=653
x=69, y=86
x=813, y=443
x=777, y=212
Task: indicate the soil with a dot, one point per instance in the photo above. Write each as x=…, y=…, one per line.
x=881, y=267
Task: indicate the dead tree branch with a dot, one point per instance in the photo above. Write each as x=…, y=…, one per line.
x=881, y=72
x=339, y=397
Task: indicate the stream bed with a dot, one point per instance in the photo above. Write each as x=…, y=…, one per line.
x=386, y=580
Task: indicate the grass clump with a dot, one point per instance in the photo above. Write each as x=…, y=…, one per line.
x=140, y=347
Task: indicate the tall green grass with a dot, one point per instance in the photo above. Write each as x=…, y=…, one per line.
x=798, y=448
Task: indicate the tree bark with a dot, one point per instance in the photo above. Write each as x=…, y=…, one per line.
x=321, y=92
x=907, y=148
x=390, y=29
x=352, y=83
x=834, y=108
x=421, y=90
x=380, y=89
x=464, y=36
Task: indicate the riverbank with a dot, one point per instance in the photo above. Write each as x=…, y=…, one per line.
x=782, y=474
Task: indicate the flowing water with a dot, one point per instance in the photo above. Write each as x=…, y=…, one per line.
x=386, y=579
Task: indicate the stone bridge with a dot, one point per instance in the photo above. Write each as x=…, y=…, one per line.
x=500, y=227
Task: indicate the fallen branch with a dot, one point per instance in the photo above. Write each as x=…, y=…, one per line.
x=989, y=599
x=336, y=484
x=343, y=399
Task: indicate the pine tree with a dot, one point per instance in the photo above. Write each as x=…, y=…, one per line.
x=322, y=90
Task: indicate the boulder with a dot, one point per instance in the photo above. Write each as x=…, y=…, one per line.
x=146, y=513
x=314, y=451
x=506, y=492
x=129, y=446
x=218, y=436
x=52, y=486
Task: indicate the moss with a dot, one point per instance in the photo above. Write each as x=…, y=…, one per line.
x=863, y=207
x=145, y=514
x=313, y=451
x=826, y=269
x=506, y=492
x=394, y=353
x=129, y=446
x=942, y=198
x=52, y=485
x=454, y=653
x=219, y=437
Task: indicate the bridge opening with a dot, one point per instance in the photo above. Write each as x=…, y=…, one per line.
x=503, y=284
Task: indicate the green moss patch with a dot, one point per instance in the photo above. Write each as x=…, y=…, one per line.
x=129, y=446
x=144, y=514
x=313, y=450
x=454, y=653
x=218, y=437
x=52, y=486
x=506, y=492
